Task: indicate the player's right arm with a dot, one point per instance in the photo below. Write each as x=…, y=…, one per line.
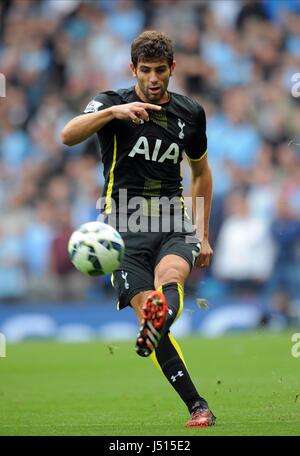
x=84, y=126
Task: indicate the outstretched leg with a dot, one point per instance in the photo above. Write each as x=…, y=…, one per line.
x=164, y=349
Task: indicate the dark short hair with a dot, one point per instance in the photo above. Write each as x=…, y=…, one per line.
x=152, y=45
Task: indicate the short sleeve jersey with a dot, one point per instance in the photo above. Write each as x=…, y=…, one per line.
x=145, y=158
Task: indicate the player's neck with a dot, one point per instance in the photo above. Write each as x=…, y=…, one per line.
x=164, y=99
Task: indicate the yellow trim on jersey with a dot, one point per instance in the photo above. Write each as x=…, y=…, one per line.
x=183, y=206
x=182, y=201
x=196, y=159
x=181, y=298
x=108, y=206
x=112, y=281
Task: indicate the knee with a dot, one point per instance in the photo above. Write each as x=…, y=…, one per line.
x=171, y=274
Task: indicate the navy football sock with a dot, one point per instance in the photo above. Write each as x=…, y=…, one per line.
x=174, y=296
x=170, y=359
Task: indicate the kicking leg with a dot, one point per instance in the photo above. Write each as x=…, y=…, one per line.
x=170, y=276
x=154, y=313
x=169, y=358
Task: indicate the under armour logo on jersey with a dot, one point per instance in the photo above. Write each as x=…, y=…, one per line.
x=174, y=377
x=124, y=276
x=170, y=312
x=181, y=125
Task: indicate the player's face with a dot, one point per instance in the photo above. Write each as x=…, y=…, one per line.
x=153, y=80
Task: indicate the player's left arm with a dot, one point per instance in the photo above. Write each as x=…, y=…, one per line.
x=202, y=188
x=196, y=151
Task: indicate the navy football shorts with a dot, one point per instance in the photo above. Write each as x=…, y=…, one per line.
x=144, y=250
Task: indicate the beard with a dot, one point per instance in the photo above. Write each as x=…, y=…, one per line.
x=155, y=96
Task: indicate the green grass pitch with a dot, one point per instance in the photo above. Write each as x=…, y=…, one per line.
x=251, y=380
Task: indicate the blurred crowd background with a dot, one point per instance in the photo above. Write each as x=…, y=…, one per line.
x=238, y=58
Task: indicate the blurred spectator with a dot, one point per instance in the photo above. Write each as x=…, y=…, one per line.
x=286, y=233
x=234, y=143
x=13, y=286
x=69, y=285
x=263, y=194
x=37, y=240
x=126, y=19
x=244, y=253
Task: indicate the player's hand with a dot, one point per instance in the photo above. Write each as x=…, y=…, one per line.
x=205, y=255
x=136, y=111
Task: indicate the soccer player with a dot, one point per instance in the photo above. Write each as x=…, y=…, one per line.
x=143, y=132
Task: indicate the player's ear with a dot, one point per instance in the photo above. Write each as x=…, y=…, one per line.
x=172, y=67
x=133, y=70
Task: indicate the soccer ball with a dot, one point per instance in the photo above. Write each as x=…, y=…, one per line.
x=96, y=249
